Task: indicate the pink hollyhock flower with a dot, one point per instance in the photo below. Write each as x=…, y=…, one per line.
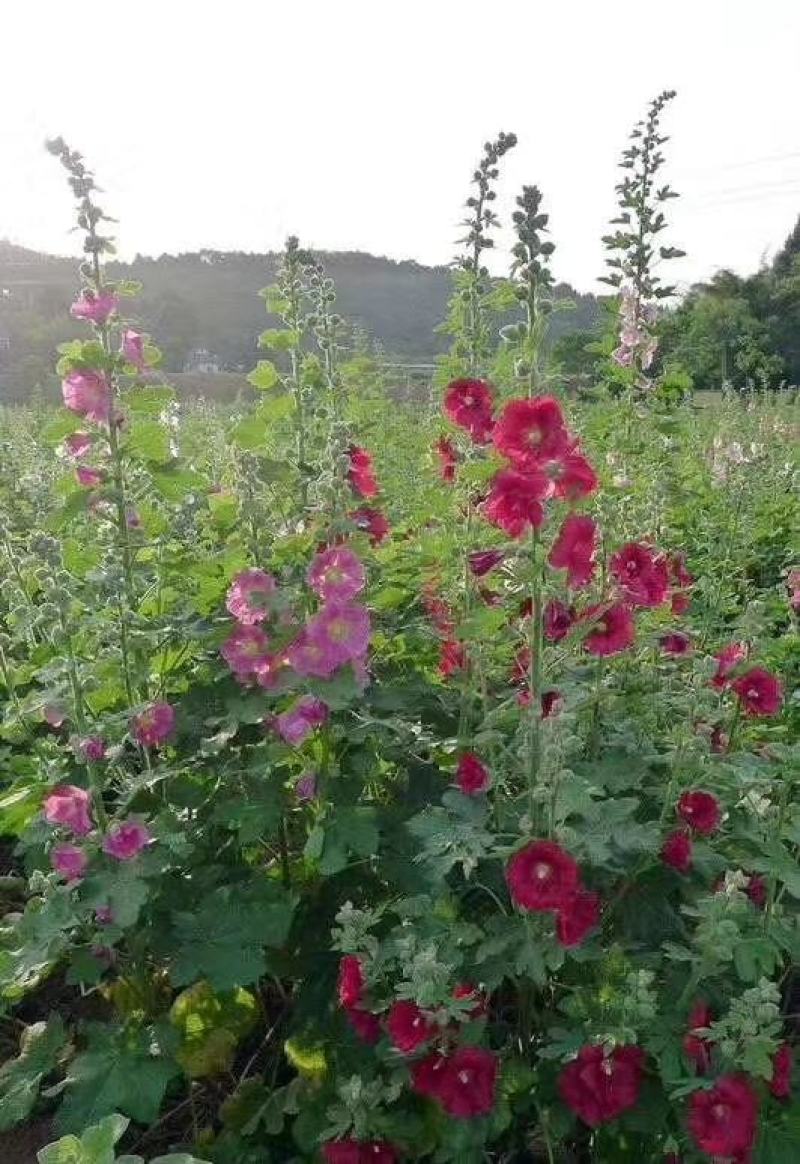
x=343, y=628
x=472, y=776
x=542, y=876
x=466, y=990
x=409, y=1027
x=698, y=1050
x=361, y=473
x=250, y=596
x=467, y=1084
x=677, y=851
x=132, y=519
x=367, y=1026
x=482, y=562
x=54, y=715
x=576, y=917
x=574, y=476
x=69, y=862
x=613, y=630
x=723, y=1120
x=154, y=725
x=306, y=786
x=68, y=806
x=245, y=652
x=351, y=984
x=675, y=643
x=760, y=693
x=575, y=549
x=727, y=660
x=296, y=724
x=681, y=580
x=793, y=586
x=372, y=522
x=92, y=749
x=77, y=444
x=452, y=658
x=781, y=1083
x=311, y=656
x=642, y=575
x=530, y=433
x=598, y=1086
x=95, y=308
x=132, y=349
x=448, y=459
x=515, y=501
x=89, y=477
x=757, y=890
x=337, y=574
x=469, y=403
x=104, y=915
x=126, y=840
x=267, y=670
x=700, y=811
x=558, y=619
x=88, y=394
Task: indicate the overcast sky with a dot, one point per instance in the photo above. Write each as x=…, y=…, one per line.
x=356, y=123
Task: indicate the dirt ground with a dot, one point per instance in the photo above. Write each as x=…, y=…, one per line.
x=20, y=1145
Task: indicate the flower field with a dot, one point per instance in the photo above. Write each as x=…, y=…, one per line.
x=389, y=780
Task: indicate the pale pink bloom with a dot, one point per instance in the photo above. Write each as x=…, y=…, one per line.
x=89, y=477
x=250, y=596
x=344, y=628
x=336, y=574
x=68, y=805
x=306, y=786
x=91, y=748
x=54, y=714
x=245, y=652
x=311, y=656
x=152, y=726
x=77, y=444
x=126, y=840
x=296, y=724
x=623, y=357
x=133, y=349
x=88, y=394
x=69, y=861
x=95, y=308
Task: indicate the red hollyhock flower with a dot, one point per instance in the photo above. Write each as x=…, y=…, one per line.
x=701, y=811
x=675, y=643
x=781, y=1082
x=757, y=890
x=466, y=990
x=452, y=658
x=437, y=610
x=551, y=703
x=427, y=1074
x=677, y=851
x=351, y=981
x=520, y=672
x=359, y=1152
x=490, y=597
x=361, y=473
x=366, y=1025
x=760, y=693
x=408, y=1026
x=482, y=561
x=641, y=575
x=532, y=432
x=681, y=580
x=614, y=630
x=466, y=1086
x=472, y=776
x=373, y=522
x=574, y=477
x=448, y=459
x=727, y=660
x=468, y=403
x=698, y=1050
x=577, y=917
x=558, y=619
x=599, y=1087
x=542, y=876
x=722, y=1121
x=574, y=549
x=515, y=500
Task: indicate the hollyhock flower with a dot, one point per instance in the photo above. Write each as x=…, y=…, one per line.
x=409, y=1027
x=361, y=473
x=481, y=562
x=681, y=580
x=468, y=403
x=54, y=715
x=306, y=786
x=757, y=890
x=542, y=876
x=472, y=776
x=760, y=693
x=154, y=725
x=520, y=672
x=126, y=840
x=68, y=806
x=104, y=915
x=675, y=643
x=466, y=990
x=89, y=477
x=92, y=749
x=722, y=1120
x=367, y=1026
x=574, y=476
x=350, y=988
x=69, y=861
x=727, y=660
x=532, y=432
x=77, y=444
x=622, y=356
x=250, y=596
x=337, y=574
x=88, y=394
x=697, y=1049
x=781, y=1083
x=359, y=1152
x=267, y=670
x=427, y=1074
x=613, y=630
x=132, y=519
x=641, y=575
x=490, y=597
x=372, y=522
x=244, y=651
x=701, y=811
x=598, y=1086
x=677, y=851
x=343, y=629
x=558, y=619
x=574, y=550
x=551, y=703
x=437, y=610
x=452, y=658
x=466, y=1086
x=719, y=740
x=448, y=459
x=296, y=724
x=95, y=308
x=576, y=917
x=309, y=656
x=132, y=349
x=793, y=586
x=515, y=500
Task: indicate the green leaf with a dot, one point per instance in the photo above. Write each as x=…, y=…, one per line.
x=21, y=1078
x=264, y=376
x=280, y=339
x=149, y=400
x=95, y=1146
x=211, y=1026
x=120, y=887
x=62, y=425
x=176, y=481
x=148, y=440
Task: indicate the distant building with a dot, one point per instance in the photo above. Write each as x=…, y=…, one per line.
x=201, y=360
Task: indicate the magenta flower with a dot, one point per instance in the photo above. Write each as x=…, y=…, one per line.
x=69, y=806
x=296, y=724
x=88, y=477
x=245, y=652
x=311, y=657
x=69, y=861
x=132, y=519
x=306, y=786
x=337, y=574
x=92, y=749
x=88, y=394
x=77, y=444
x=95, y=308
x=104, y=915
x=132, y=349
x=250, y=595
x=344, y=628
x=152, y=726
x=126, y=840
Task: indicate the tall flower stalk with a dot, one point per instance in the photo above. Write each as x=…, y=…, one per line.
x=532, y=282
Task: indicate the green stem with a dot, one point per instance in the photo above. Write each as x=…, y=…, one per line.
x=535, y=646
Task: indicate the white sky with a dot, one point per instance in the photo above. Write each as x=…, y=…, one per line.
x=356, y=123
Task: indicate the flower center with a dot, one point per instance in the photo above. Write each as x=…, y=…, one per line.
x=720, y=1112
x=337, y=630
x=542, y=871
x=464, y=1077
x=752, y=693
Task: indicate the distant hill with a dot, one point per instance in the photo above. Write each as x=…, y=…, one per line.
x=209, y=300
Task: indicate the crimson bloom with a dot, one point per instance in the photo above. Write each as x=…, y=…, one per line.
x=250, y=595
x=701, y=811
x=675, y=643
x=781, y=1083
x=515, y=501
x=448, y=459
x=359, y=1152
x=469, y=403
x=427, y=1073
x=551, y=703
x=574, y=476
x=558, y=619
x=576, y=917
x=408, y=1026
x=452, y=658
x=466, y=990
x=531, y=433
x=542, y=876
x=351, y=982
x=598, y=1086
x=641, y=574
x=727, y=660
x=68, y=805
x=466, y=1086
x=361, y=473
x=154, y=725
x=760, y=692
x=696, y=1048
x=677, y=851
x=367, y=1026
x=613, y=630
x=722, y=1120
x=681, y=581
x=574, y=550
x=372, y=522
x=756, y=890
x=472, y=776
x=481, y=562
